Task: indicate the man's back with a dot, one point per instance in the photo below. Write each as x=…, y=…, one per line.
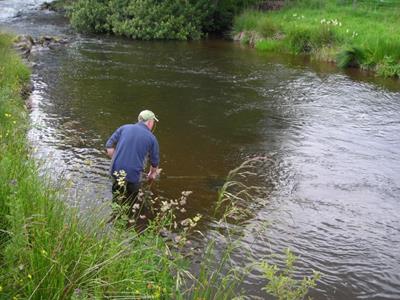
x=132, y=143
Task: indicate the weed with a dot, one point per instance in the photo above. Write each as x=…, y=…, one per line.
x=283, y=285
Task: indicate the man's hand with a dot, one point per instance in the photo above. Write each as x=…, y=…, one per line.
x=153, y=173
x=110, y=152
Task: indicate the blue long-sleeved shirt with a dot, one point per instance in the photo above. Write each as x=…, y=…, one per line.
x=132, y=143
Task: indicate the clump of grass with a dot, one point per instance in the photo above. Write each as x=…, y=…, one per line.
x=350, y=57
x=246, y=21
x=267, y=28
x=388, y=67
x=267, y=45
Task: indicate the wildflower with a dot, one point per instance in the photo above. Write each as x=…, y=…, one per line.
x=44, y=253
x=137, y=292
x=14, y=122
x=1, y=288
x=294, y=15
x=186, y=193
x=183, y=210
x=136, y=206
x=323, y=21
x=197, y=218
x=7, y=115
x=142, y=217
x=29, y=276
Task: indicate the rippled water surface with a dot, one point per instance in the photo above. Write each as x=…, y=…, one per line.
x=334, y=136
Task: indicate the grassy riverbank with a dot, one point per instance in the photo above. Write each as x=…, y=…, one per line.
x=46, y=251
x=365, y=35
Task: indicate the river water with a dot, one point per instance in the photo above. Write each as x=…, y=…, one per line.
x=334, y=137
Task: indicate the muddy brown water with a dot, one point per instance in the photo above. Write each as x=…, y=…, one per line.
x=334, y=136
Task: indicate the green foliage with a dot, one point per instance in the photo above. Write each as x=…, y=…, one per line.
x=361, y=35
x=268, y=45
x=299, y=39
x=389, y=67
x=246, y=21
x=350, y=57
x=283, y=285
x=90, y=16
x=267, y=28
x=139, y=19
x=154, y=19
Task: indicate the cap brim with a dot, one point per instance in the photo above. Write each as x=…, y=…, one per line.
x=155, y=118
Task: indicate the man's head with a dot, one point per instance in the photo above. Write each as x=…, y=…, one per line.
x=148, y=117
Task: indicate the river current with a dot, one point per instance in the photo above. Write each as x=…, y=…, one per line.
x=334, y=137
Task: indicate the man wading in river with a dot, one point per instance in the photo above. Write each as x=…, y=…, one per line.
x=128, y=147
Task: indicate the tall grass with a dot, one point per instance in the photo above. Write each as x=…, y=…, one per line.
x=312, y=26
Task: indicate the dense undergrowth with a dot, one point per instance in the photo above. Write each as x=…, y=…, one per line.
x=364, y=33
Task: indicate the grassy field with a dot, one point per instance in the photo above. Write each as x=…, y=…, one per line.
x=46, y=251
x=365, y=34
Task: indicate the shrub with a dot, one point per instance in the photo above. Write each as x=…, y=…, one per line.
x=90, y=16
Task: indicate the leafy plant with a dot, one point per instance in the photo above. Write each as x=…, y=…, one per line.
x=282, y=283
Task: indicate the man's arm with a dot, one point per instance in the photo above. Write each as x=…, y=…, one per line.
x=112, y=141
x=154, y=161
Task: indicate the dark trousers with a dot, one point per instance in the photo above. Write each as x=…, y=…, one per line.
x=125, y=195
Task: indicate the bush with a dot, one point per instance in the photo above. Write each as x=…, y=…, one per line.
x=139, y=19
x=154, y=19
x=90, y=16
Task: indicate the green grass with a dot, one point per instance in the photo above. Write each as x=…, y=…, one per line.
x=46, y=251
x=311, y=26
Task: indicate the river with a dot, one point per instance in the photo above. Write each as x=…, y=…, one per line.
x=334, y=137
